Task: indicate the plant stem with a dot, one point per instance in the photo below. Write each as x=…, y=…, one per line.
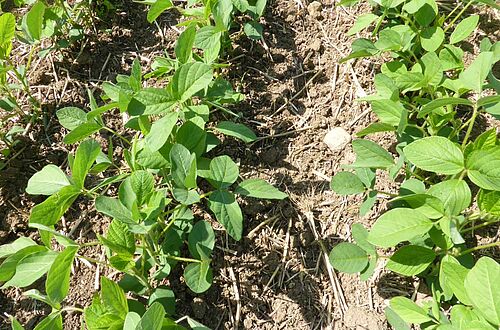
x=183, y=259
x=474, y=227
x=458, y=16
x=117, y=135
x=471, y=124
x=72, y=309
x=479, y=247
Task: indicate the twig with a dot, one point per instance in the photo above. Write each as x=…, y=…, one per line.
x=254, y=231
x=236, y=298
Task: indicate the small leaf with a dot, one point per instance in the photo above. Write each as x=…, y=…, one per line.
x=57, y=283
x=160, y=131
x=151, y=101
x=47, y=181
x=432, y=38
x=51, y=322
x=483, y=168
x=475, y=74
x=488, y=201
x=189, y=79
x=85, y=156
x=435, y=154
x=239, y=131
x=455, y=195
x=259, y=188
x=481, y=287
x=362, y=23
x=11, y=248
x=228, y=212
x=34, y=20
x=398, y=225
x=183, y=166
x=201, y=240
x=370, y=154
x=81, y=132
x=452, y=276
x=71, y=117
x=184, y=44
x=376, y=128
x=7, y=29
x=348, y=258
x=223, y=172
x=360, y=235
x=158, y=7
x=52, y=209
x=31, y=268
x=253, y=30
x=411, y=260
x=165, y=297
x=409, y=311
x=441, y=102
x=142, y=183
x=464, y=29
x=113, y=298
x=15, y=325
x=8, y=266
x=346, y=183
x=395, y=320
x=198, y=276
x=153, y=318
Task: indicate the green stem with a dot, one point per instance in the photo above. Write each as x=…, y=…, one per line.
x=474, y=227
x=183, y=259
x=215, y=105
x=117, y=135
x=379, y=23
x=458, y=16
x=72, y=309
x=471, y=124
x=479, y=247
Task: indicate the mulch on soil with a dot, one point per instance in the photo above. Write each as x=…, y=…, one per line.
x=276, y=277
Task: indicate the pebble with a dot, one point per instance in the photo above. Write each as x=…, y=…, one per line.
x=315, y=45
x=314, y=9
x=337, y=138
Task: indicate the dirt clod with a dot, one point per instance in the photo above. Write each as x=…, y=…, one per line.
x=337, y=138
x=314, y=9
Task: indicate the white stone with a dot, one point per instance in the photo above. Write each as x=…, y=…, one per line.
x=337, y=138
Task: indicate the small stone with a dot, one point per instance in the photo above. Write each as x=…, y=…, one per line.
x=314, y=9
x=315, y=45
x=337, y=138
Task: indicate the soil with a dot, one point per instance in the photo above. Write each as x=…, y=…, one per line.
x=276, y=276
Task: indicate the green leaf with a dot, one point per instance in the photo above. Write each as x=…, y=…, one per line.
x=360, y=235
x=411, y=260
x=201, y=240
x=71, y=117
x=113, y=298
x=483, y=168
x=346, y=183
x=158, y=7
x=259, y=188
x=34, y=20
x=228, y=212
x=395, y=320
x=184, y=44
x=376, y=128
x=153, y=318
x=452, y=276
x=430, y=206
x=348, y=258
x=31, y=268
x=475, y=74
x=435, y=154
x=198, y=276
x=131, y=321
x=362, y=23
x=165, y=297
x=455, y=195
x=160, y=131
x=112, y=207
x=120, y=236
x=85, y=156
x=253, y=30
x=193, y=136
x=151, y=101
x=481, y=287
x=7, y=29
x=15, y=325
x=189, y=79
x=488, y=100
x=183, y=166
x=441, y=102
x=464, y=29
x=207, y=37
x=52, y=209
x=239, y=131
x=451, y=57
x=398, y=225
x=142, y=183
x=488, y=201
x=51, y=322
x=432, y=38
x=388, y=111
x=19, y=244
x=370, y=154
x=223, y=172
x=409, y=311
x=81, y=132
x=57, y=283
x=47, y=181
x=8, y=266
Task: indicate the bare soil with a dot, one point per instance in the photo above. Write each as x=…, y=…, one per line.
x=276, y=277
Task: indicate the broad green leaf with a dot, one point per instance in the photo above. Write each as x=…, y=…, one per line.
x=119, y=234
x=430, y=206
x=183, y=166
x=481, y=287
x=184, y=44
x=189, y=79
x=207, y=37
x=52, y=209
x=487, y=100
x=193, y=136
x=375, y=128
x=367, y=273
x=441, y=102
x=362, y=23
x=81, y=132
x=85, y=157
x=253, y=30
x=348, y=258
x=221, y=12
x=388, y=40
x=411, y=260
x=112, y=207
x=8, y=266
x=360, y=235
x=346, y=183
x=71, y=117
x=57, y=283
x=452, y=276
x=15, y=325
x=198, y=276
x=227, y=211
x=395, y=320
x=464, y=29
x=435, y=154
x=165, y=297
x=201, y=240
x=488, y=201
x=11, y=248
x=131, y=321
x=398, y=225
x=160, y=131
x=34, y=20
x=388, y=111
x=259, y=188
x=153, y=318
x=455, y=195
x=151, y=101
x=31, y=268
x=483, y=168
x=239, y=131
x=51, y=322
x=431, y=38
x=47, y=181
x=462, y=316
x=432, y=69
x=451, y=57
x=475, y=74
x=370, y=154
x=7, y=29
x=142, y=183
x=113, y=297
x=223, y=172
x=157, y=8
x=409, y=311
x=185, y=197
